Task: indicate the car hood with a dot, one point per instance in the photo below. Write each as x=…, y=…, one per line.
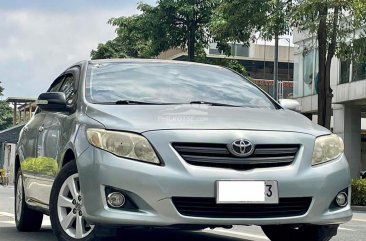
x=142, y=118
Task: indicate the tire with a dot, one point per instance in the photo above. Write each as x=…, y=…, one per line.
x=66, y=205
x=26, y=219
x=300, y=233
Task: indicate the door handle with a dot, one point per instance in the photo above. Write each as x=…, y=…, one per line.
x=25, y=129
x=41, y=128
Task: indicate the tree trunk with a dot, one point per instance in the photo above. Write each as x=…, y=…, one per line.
x=192, y=34
x=322, y=42
x=191, y=45
x=325, y=63
x=328, y=96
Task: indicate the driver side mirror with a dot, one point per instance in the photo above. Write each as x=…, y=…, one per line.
x=52, y=101
x=290, y=104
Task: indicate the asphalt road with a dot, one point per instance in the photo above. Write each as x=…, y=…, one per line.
x=352, y=231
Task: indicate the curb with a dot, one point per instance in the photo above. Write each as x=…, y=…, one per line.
x=359, y=208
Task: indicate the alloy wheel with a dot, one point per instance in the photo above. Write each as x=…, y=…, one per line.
x=70, y=209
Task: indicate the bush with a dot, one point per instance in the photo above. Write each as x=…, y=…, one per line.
x=359, y=192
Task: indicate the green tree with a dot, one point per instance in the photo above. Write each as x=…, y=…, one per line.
x=6, y=113
x=241, y=20
x=169, y=24
x=132, y=40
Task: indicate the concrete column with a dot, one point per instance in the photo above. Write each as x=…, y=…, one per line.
x=347, y=124
x=30, y=111
x=14, y=113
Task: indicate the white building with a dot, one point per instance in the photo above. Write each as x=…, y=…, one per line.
x=348, y=81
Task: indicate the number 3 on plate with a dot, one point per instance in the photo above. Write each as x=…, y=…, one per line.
x=269, y=190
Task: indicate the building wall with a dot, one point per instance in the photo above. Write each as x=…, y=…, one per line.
x=9, y=160
x=256, y=52
x=10, y=135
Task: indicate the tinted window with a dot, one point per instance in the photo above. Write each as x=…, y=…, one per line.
x=68, y=89
x=56, y=85
x=170, y=83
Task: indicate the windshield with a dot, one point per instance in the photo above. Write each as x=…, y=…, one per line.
x=170, y=83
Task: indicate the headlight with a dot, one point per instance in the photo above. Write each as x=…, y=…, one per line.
x=123, y=144
x=327, y=148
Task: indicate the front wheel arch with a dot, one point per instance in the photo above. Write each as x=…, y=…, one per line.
x=68, y=157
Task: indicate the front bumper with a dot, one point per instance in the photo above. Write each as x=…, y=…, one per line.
x=152, y=187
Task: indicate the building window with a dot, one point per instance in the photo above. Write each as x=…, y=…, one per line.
x=236, y=50
x=358, y=71
x=308, y=72
x=359, y=67
x=316, y=73
x=345, y=71
x=298, y=84
x=213, y=49
x=241, y=50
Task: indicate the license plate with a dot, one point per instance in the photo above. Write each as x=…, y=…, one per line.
x=247, y=192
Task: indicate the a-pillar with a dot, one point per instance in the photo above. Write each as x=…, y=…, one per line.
x=347, y=124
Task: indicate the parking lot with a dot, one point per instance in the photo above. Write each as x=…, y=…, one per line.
x=352, y=231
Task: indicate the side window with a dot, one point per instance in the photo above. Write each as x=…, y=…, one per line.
x=69, y=90
x=55, y=87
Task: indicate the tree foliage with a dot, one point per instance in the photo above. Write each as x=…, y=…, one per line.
x=181, y=24
x=6, y=113
x=241, y=20
x=131, y=41
x=169, y=24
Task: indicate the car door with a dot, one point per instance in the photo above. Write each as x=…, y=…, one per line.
x=27, y=152
x=31, y=166
x=54, y=134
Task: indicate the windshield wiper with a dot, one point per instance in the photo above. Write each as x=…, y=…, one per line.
x=212, y=103
x=128, y=102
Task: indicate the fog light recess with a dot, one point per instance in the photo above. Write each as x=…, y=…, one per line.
x=342, y=199
x=116, y=199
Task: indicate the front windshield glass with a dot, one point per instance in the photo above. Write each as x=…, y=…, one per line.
x=170, y=83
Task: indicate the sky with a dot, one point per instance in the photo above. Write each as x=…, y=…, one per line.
x=39, y=39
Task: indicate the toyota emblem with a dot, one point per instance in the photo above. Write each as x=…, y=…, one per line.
x=241, y=147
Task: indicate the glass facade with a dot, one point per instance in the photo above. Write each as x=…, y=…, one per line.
x=358, y=71
x=345, y=71
x=355, y=71
x=306, y=70
x=298, y=83
x=236, y=50
x=306, y=73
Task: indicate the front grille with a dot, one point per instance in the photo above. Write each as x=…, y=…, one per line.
x=218, y=155
x=207, y=207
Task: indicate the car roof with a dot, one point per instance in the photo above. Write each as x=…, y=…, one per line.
x=147, y=61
